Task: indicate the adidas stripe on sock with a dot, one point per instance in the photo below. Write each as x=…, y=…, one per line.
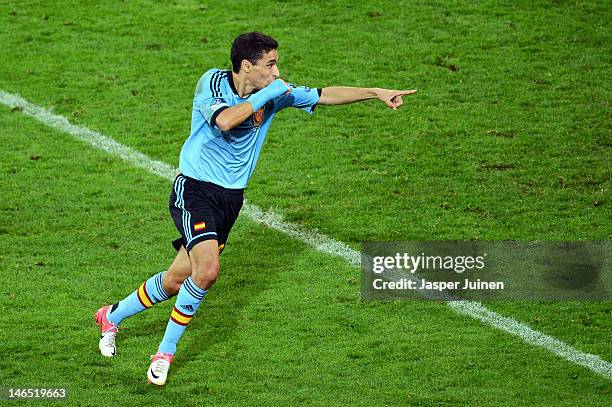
x=187, y=302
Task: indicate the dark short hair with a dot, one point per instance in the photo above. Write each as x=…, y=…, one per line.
x=251, y=46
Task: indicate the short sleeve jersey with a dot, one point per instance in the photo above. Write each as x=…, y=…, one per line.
x=228, y=158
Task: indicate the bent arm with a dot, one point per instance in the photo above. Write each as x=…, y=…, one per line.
x=233, y=116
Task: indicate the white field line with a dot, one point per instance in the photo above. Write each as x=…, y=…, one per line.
x=314, y=239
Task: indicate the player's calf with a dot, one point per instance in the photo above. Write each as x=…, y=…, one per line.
x=178, y=271
x=109, y=317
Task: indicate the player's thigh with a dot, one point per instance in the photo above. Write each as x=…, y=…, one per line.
x=193, y=211
x=232, y=203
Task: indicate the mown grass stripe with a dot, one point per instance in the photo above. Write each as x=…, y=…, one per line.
x=314, y=239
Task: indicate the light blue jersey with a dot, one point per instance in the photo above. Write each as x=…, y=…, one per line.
x=228, y=158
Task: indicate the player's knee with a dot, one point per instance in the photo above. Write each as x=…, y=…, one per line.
x=205, y=275
x=172, y=283
x=174, y=277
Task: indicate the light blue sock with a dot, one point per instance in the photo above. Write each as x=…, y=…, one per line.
x=187, y=302
x=149, y=293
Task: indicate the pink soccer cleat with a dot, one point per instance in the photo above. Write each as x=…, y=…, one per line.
x=108, y=330
x=158, y=371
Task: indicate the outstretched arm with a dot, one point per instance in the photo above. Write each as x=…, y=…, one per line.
x=340, y=95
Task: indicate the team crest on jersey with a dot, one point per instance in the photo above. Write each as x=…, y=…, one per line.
x=216, y=103
x=258, y=116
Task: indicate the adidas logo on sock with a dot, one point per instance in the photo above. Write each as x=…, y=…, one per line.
x=187, y=307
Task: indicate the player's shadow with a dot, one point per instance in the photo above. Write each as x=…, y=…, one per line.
x=252, y=263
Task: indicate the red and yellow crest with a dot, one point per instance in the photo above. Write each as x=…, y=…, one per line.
x=258, y=116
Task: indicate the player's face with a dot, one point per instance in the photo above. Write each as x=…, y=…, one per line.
x=265, y=70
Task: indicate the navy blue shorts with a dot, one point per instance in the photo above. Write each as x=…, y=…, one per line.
x=203, y=211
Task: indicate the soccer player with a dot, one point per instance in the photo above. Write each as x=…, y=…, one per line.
x=232, y=112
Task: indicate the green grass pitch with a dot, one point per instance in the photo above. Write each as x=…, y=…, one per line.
x=508, y=138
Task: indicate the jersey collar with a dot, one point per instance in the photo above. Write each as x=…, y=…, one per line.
x=230, y=79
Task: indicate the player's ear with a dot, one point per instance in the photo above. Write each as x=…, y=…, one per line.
x=246, y=65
